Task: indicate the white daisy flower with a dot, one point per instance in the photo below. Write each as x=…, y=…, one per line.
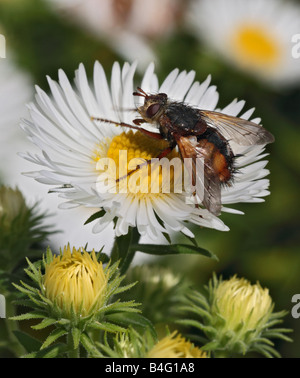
x=255, y=36
x=127, y=25
x=72, y=145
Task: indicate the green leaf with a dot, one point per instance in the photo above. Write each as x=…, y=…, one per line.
x=56, y=334
x=173, y=249
x=103, y=257
x=121, y=289
x=34, y=269
x=195, y=323
x=33, y=276
x=23, y=302
x=126, y=251
x=89, y=346
x=124, y=242
x=97, y=215
x=29, y=343
x=108, y=327
x=135, y=320
x=52, y=351
x=44, y=323
x=29, y=315
x=23, y=290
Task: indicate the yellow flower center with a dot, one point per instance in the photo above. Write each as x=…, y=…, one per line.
x=75, y=281
x=129, y=152
x=255, y=48
x=173, y=346
x=237, y=301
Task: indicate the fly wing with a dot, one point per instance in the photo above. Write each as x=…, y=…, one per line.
x=239, y=130
x=200, y=169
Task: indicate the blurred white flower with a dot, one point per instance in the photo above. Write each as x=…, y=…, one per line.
x=72, y=144
x=128, y=26
x=255, y=36
x=15, y=92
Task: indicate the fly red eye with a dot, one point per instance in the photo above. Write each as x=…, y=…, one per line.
x=152, y=110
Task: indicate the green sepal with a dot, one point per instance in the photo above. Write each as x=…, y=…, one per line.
x=48, y=258
x=103, y=257
x=107, y=327
x=278, y=333
x=76, y=333
x=121, y=289
x=54, y=335
x=29, y=315
x=23, y=289
x=89, y=346
x=118, y=306
x=34, y=274
x=266, y=351
x=198, y=311
x=63, y=322
x=211, y=346
x=194, y=323
x=44, y=324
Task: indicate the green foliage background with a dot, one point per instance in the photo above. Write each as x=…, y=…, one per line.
x=264, y=243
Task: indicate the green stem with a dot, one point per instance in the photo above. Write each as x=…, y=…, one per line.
x=128, y=258
x=123, y=251
x=11, y=326
x=221, y=354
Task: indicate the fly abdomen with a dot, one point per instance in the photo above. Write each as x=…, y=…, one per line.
x=218, y=151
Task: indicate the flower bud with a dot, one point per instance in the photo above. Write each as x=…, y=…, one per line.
x=75, y=282
x=236, y=318
x=12, y=205
x=175, y=346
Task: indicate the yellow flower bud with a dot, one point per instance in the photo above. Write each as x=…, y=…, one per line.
x=76, y=281
x=235, y=317
x=173, y=346
x=241, y=304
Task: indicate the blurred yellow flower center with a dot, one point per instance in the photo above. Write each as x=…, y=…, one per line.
x=237, y=301
x=130, y=150
x=255, y=48
x=75, y=281
x=173, y=346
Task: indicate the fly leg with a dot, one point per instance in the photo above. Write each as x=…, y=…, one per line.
x=161, y=155
x=136, y=121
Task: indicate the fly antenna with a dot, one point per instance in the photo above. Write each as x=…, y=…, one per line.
x=140, y=92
